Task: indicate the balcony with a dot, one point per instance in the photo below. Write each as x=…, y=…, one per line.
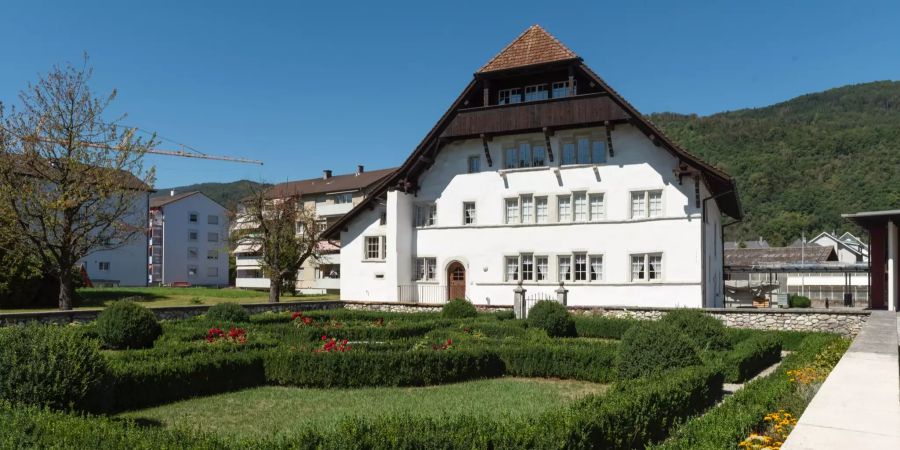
x=333, y=209
x=567, y=112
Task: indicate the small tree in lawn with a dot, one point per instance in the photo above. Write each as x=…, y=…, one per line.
x=282, y=231
x=71, y=179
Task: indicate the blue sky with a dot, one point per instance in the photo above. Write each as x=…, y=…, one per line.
x=319, y=85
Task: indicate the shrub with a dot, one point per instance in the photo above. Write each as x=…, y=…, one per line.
x=49, y=366
x=602, y=327
x=799, y=301
x=593, y=362
x=459, y=309
x=149, y=378
x=125, y=324
x=751, y=356
x=396, y=368
x=228, y=312
x=505, y=315
x=650, y=347
x=551, y=317
x=705, y=331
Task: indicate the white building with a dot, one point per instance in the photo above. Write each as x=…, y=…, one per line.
x=189, y=240
x=330, y=197
x=849, y=248
x=125, y=265
x=540, y=173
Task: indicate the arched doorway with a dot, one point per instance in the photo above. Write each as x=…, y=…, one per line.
x=456, y=280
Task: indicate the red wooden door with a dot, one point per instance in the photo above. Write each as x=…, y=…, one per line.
x=456, y=276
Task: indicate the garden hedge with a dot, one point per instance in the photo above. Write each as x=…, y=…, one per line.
x=602, y=327
x=228, y=312
x=399, y=368
x=751, y=356
x=594, y=362
x=705, y=331
x=551, y=317
x=652, y=346
x=126, y=324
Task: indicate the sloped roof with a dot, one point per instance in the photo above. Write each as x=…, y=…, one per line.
x=779, y=255
x=336, y=183
x=534, y=46
x=156, y=202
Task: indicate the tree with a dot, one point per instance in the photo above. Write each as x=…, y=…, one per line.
x=282, y=231
x=71, y=179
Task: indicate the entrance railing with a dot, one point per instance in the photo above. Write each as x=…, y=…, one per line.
x=423, y=293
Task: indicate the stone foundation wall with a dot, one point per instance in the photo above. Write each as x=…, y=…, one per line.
x=412, y=307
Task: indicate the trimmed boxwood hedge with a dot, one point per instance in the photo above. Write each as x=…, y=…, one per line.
x=705, y=331
x=602, y=327
x=551, y=317
x=359, y=369
x=653, y=346
x=594, y=362
x=751, y=356
x=125, y=324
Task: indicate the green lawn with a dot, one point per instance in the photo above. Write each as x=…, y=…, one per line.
x=97, y=298
x=267, y=410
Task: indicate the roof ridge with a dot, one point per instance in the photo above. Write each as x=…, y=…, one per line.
x=563, y=52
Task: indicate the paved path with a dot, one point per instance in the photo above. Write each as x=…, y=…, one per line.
x=858, y=406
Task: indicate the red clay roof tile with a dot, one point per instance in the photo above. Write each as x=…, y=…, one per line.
x=534, y=46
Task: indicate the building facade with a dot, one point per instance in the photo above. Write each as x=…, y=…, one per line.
x=188, y=241
x=126, y=264
x=330, y=197
x=884, y=256
x=538, y=175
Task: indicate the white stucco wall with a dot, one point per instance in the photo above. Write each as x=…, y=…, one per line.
x=176, y=243
x=127, y=263
x=637, y=165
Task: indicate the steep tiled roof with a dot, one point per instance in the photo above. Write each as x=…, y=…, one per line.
x=534, y=46
x=779, y=255
x=336, y=183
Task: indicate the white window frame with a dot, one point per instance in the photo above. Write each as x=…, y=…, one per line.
x=585, y=212
x=591, y=272
x=212, y=219
x=467, y=218
x=509, y=96
x=541, y=261
x=596, y=216
x=103, y=266
x=343, y=198
x=193, y=235
x=645, y=261
x=507, y=219
x=559, y=216
x=193, y=217
x=426, y=215
x=192, y=270
x=380, y=241
x=426, y=263
x=645, y=201
x=511, y=262
x=580, y=276
x=564, y=85
x=568, y=277
x=545, y=218
x=473, y=168
x=193, y=253
x=212, y=255
x=529, y=258
x=535, y=90
x=212, y=236
x=526, y=217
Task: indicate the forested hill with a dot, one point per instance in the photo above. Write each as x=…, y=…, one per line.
x=227, y=194
x=801, y=163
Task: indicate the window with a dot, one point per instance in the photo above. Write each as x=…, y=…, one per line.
x=646, y=267
x=191, y=271
x=425, y=269
x=539, y=155
x=535, y=92
x=509, y=96
x=511, y=158
x=584, y=150
x=598, y=211
x=581, y=207
x=212, y=272
x=568, y=153
x=512, y=210
x=524, y=155
x=527, y=209
x=561, y=88
x=598, y=151
x=212, y=237
x=340, y=199
x=375, y=247
x=193, y=235
x=212, y=220
x=646, y=204
x=469, y=213
x=540, y=265
x=580, y=267
x=541, y=209
x=193, y=253
x=527, y=267
x=103, y=266
x=564, y=208
x=474, y=164
x=512, y=268
x=212, y=255
x=192, y=217
x=426, y=215
x=596, y=268
x=565, y=267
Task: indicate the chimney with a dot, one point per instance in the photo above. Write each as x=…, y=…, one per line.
x=172, y=193
x=326, y=174
x=360, y=169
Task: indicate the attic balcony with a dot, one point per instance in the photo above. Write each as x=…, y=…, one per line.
x=556, y=113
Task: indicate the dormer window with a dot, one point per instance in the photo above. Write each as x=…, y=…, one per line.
x=536, y=92
x=561, y=88
x=509, y=96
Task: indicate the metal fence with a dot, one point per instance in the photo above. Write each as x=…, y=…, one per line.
x=436, y=294
x=531, y=299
